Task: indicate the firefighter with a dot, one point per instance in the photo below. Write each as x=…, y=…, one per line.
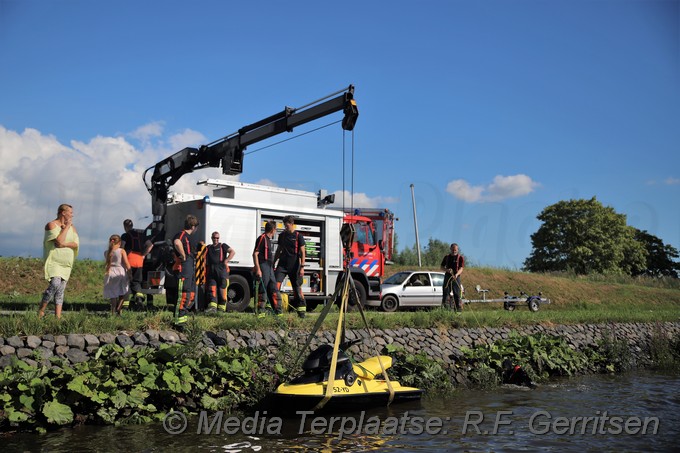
x=136, y=247
x=453, y=264
x=185, y=253
x=263, y=258
x=291, y=256
x=217, y=261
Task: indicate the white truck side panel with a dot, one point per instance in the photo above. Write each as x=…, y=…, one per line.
x=177, y=213
x=241, y=221
x=333, y=244
x=238, y=227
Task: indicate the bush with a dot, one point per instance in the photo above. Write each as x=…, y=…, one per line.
x=664, y=351
x=419, y=370
x=539, y=355
x=122, y=386
x=611, y=354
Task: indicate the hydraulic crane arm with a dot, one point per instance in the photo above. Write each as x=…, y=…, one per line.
x=228, y=151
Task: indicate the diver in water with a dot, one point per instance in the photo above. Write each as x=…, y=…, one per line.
x=514, y=374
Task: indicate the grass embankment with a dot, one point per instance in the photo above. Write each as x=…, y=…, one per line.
x=575, y=299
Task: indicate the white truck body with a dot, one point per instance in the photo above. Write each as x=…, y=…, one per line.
x=239, y=211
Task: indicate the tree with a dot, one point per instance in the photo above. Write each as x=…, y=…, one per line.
x=434, y=252
x=585, y=237
x=407, y=257
x=660, y=257
x=431, y=257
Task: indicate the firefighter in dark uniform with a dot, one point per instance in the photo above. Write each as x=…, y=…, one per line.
x=137, y=247
x=185, y=269
x=263, y=259
x=291, y=255
x=217, y=280
x=453, y=265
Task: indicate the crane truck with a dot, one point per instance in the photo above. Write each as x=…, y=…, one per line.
x=239, y=211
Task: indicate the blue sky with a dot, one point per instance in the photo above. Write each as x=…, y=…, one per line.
x=492, y=109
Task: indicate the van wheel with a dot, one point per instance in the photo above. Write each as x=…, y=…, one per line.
x=238, y=293
x=389, y=304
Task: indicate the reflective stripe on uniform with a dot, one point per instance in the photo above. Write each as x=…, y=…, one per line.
x=200, y=265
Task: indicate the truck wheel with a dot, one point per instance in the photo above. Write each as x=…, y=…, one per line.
x=312, y=304
x=533, y=304
x=352, y=302
x=238, y=293
x=361, y=291
x=389, y=304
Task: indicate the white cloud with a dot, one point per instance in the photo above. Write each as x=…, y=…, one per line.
x=101, y=178
x=267, y=182
x=186, y=138
x=361, y=200
x=148, y=131
x=671, y=181
x=502, y=188
x=462, y=190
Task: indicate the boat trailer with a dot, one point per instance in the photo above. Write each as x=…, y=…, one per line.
x=511, y=302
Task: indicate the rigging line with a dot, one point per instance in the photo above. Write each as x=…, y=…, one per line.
x=291, y=138
x=352, y=172
x=343, y=171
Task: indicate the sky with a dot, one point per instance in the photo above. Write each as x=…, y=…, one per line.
x=492, y=110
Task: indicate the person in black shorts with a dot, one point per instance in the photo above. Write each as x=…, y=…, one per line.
x=291, y=256
x=136, y=246
x=217, y=260
x=185, y=268
x=453, y=265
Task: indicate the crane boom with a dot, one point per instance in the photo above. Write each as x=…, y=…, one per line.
x=228, y=151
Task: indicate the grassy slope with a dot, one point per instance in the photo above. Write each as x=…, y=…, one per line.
x=574, y=300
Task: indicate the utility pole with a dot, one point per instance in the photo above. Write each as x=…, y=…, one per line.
x=415, y=222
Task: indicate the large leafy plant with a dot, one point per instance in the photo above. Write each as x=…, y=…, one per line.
x=123, y=386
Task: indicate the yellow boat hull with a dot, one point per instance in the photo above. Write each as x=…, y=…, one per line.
x=366, y=391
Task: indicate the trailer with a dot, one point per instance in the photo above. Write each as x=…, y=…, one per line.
x=532, y=302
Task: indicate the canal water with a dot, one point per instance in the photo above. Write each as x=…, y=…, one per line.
x=631, y=412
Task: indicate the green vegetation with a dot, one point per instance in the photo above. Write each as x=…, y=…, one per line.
x=23, y=280
x=139, y=385
x=420, y=371
x=129, y=386
x=611, y=355
x=575, y=299
x=660, y=257
x=540, y=356
x=587, y=237
x=431, y=255
x=665, y=351
x=543, y=356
